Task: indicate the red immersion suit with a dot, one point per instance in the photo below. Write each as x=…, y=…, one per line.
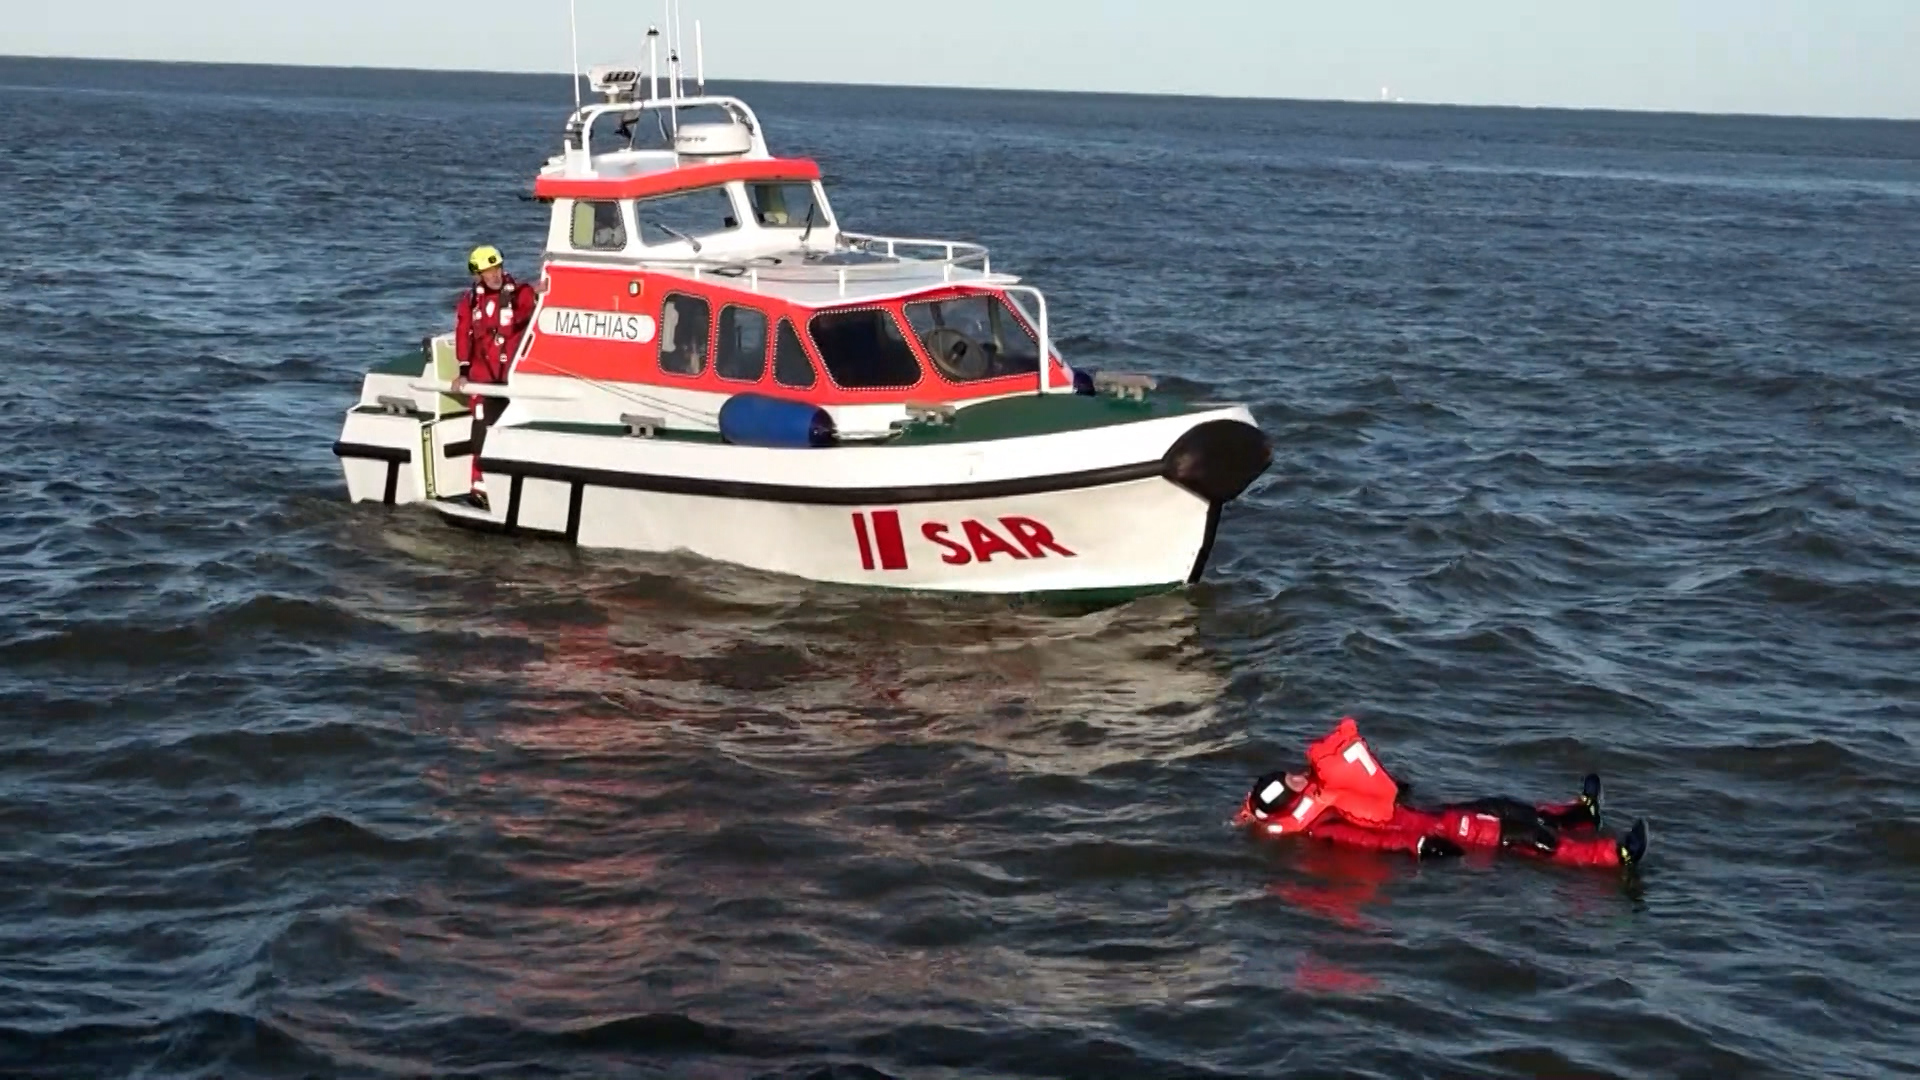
x=488, y=326
x=1350, y=799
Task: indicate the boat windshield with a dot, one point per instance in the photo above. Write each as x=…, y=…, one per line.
x=1009, y=347
x=784, y=205
x=863, y=349
x=684, y=216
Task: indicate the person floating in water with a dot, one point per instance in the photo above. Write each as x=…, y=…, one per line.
x=1346, y=797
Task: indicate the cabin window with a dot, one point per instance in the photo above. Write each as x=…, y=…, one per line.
x=785, y=205
x=672, y=219
x=598, y=226
x=683, y=334
x=790, y=364
x=970, y=338
x=742, y=353
x=865, y=350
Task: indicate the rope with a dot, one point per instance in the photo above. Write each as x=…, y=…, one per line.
x=685, y=412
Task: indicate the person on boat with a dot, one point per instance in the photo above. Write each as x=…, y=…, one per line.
x=1346, y=797
x=489, y=322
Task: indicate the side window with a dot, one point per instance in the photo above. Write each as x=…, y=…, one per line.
x=864, y=349
x=790, y=364
x=683, y=334
x=743, y=344
x=598, y=226
x=784, y=205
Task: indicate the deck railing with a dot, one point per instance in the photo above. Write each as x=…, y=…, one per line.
x=577, y=156
x=956, y=253
x=1014, y=293
x=958, y=261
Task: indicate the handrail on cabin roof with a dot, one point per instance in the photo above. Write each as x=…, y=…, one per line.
x=964, y=263
x=579, y=127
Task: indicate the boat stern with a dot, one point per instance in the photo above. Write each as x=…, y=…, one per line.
x=399, y=444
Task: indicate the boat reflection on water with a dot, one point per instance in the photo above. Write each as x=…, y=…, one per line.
x=779, y=668
x=616, y=650
x=611, y=771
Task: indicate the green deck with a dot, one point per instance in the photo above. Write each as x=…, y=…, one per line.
x=1040, y=414
x=412, y=364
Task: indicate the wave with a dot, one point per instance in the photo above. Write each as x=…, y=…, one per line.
x=1054, y=1051
x=202, y=1042
x=146, y=643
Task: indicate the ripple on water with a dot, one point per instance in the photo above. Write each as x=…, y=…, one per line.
x=1593, y=452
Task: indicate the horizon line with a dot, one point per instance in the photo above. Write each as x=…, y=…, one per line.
x=1200, y=95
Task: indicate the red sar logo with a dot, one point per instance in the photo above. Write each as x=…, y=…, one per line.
x=884, y=542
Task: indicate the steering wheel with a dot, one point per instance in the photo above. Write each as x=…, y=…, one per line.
x=958, y=356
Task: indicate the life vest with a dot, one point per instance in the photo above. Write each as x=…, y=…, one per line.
x=492, y=336
x=1343, y=775
x=493, y=312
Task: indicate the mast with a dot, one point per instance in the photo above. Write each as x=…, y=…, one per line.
x=699, y=62
x=679, y=52
x=573, y=31
x=673, y=63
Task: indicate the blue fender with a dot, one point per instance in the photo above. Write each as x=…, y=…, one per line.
x=759, y=420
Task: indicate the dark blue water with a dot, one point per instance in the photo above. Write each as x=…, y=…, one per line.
x=1596, y=449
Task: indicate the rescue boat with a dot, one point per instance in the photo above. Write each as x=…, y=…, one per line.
x=717, y=366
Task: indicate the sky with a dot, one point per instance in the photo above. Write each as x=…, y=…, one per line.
x=1793, y=57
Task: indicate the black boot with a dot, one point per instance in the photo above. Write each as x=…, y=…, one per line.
x=1583, y=812
x=1633, y=847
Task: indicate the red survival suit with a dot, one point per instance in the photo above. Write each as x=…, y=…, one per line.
x=1350, y=799
x=487, y=327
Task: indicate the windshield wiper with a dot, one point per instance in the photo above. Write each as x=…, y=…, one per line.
x=808, y=231
x=671, y=231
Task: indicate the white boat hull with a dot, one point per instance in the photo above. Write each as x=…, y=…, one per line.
x=1115, y=508
x=1135, y=535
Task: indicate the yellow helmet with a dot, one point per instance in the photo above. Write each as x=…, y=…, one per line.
x=483, y=258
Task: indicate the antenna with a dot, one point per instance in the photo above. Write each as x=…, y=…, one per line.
x=653, y=62
x=699, y=61
x=673, y=61
x=573, y=31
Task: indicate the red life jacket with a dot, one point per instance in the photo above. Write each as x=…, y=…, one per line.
x=1343, y=776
